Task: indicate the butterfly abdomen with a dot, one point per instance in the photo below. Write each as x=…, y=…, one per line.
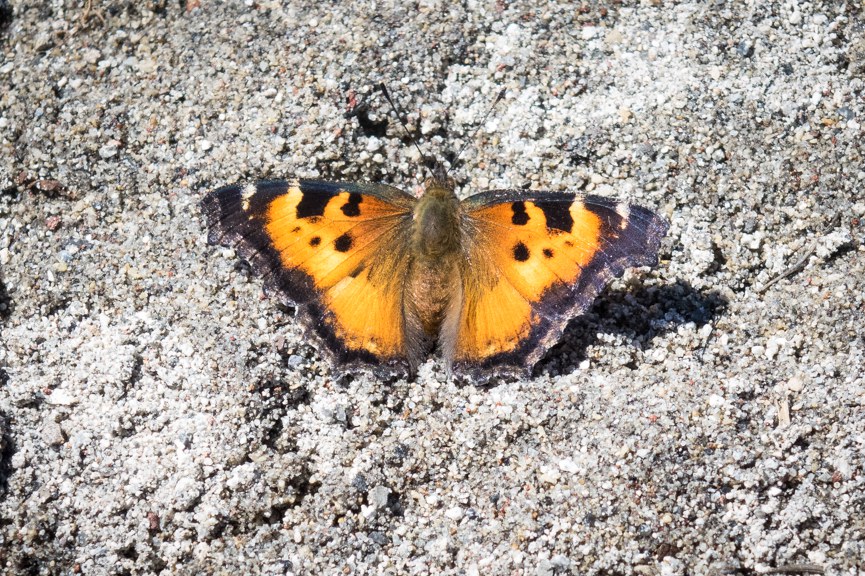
x=431, y=308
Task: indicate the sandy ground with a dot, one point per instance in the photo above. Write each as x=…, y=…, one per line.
x=159, y=416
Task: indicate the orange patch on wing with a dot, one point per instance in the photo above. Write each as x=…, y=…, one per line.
x=331, y=245
x=534, y=257
x=336, y=246
x=494, y=320
x=586, y=232
x=365, y=315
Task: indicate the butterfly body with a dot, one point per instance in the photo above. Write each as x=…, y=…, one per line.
x=384, y=279
x=433, y=296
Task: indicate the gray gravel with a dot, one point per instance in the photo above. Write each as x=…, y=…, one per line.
x=158, y=416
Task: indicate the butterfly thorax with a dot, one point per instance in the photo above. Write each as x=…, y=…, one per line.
x=436, y=232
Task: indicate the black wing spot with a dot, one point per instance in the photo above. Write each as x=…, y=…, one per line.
x=295, y=230
x=548, y=253
x=315, y=241
x=352, y=207
x=343, y=243
x=521, y=252
x=569, y=243
x=312, y=204
x=357, y=271
x=520, y=217
x=557, y=214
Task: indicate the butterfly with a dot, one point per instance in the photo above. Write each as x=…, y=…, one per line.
x=383, y=278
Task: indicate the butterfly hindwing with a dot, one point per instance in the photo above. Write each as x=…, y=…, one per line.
x=537, y=260
x=338, y=252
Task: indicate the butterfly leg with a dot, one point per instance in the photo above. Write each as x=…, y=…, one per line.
x=418, y=344
x=447, y=337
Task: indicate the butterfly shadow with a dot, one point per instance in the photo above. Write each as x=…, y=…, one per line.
x=636, y=316
x=7, y=445
x=5, y=300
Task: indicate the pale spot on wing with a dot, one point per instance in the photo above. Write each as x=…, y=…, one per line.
x=624, y=211
x=247, y=193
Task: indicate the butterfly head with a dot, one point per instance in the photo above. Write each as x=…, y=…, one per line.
x=439, y=183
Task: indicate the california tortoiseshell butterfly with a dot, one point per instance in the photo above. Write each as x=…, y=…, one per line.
x=384, y=278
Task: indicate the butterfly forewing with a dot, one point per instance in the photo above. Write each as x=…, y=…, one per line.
x=545, y=256
x=337, y=251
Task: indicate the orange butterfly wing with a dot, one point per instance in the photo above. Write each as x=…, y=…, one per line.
x=338, y=252
x=536, y=260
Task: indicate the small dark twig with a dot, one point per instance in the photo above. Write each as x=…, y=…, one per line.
x=800, y=265
x=796, y=569
x=708, y=338
x=88, y=12
x=725, y=569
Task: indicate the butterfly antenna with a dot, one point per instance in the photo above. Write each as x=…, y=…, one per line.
x=399, y=116
x=498, y=99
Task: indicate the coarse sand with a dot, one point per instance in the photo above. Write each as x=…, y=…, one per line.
x=159, y=416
